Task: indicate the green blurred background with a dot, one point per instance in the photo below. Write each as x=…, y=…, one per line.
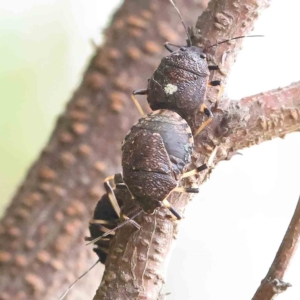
x=44, y=47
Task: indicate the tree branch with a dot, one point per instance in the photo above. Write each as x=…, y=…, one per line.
x=136, y=261
x=255, y=119
x=135, y=266
x=272, y=284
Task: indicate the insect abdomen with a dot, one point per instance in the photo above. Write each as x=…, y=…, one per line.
x=155, y=153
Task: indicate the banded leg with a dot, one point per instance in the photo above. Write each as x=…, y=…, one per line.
x=113, y=200
x=168, y=205
x=186, y=190
x=195, y=171
x=209, y=114
x=111, y=195
x=204, y=109
x=190, y=190
x=216, y=83
x=213, y=68
x=136, y=102
x=202, y=167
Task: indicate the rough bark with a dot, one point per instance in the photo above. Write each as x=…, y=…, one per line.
x=135, y=267
x=42, y=245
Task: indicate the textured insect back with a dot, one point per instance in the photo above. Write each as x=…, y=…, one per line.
x=180, y=81
x=155, y=153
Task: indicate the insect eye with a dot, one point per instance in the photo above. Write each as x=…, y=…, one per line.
x=202, y=55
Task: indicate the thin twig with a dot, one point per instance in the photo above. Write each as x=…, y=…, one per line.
x=272, y=284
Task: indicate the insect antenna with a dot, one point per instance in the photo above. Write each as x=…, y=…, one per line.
x=189, y=43
x=235, y=38
x=81, y=276
x=114, y=229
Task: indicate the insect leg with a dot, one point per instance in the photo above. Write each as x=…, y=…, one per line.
x=209, y=114
x=186, y=190
x=137, y=104
x=202, y=167
x=214, y=83
x=168, y=205
x=213, y=68
x=114, y=229
x=111, y=195
x=132, y=222
x=220, y=93
x=195, y=171
x=113, y=200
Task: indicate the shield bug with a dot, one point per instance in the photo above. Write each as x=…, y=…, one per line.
x=155, y=154
x=180, y=81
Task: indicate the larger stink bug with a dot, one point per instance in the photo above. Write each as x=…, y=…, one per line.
x=155, y=154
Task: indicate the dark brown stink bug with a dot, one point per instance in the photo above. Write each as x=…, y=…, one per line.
x=156, y=152
x=180, y=81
